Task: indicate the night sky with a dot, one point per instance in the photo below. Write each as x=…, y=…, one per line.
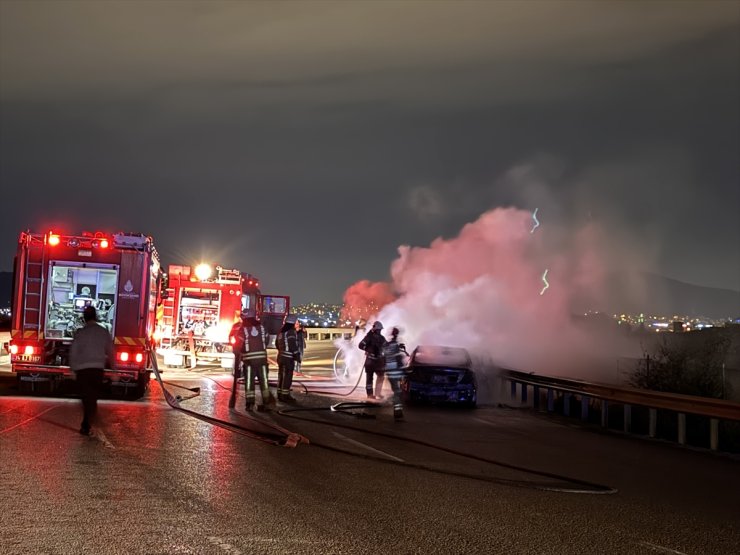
x=304, y=142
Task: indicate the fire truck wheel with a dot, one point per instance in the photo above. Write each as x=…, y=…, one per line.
x=140, y=389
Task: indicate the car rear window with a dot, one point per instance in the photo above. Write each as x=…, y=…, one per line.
x=454, y=357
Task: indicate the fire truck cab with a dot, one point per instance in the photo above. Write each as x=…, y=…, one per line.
x=55, y=277
x=200, y=306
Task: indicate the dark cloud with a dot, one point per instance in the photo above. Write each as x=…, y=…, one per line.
x=302, y=141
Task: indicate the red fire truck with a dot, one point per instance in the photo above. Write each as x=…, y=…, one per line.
x=201, y=305
x=55, y=277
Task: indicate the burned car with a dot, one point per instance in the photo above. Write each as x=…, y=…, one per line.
x=440, y=375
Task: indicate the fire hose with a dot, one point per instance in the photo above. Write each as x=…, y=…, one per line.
x=281, y=436
x=287, y=438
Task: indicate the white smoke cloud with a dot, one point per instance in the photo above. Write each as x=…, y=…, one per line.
x=483, y=290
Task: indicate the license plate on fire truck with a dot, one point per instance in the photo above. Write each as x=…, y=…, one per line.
x=28, y=358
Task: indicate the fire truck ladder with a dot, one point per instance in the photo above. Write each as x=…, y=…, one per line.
x=168, y=314
x=33, y=287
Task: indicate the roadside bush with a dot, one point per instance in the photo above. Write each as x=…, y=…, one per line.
x=683, y=367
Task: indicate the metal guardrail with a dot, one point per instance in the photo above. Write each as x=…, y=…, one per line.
x=548, y=387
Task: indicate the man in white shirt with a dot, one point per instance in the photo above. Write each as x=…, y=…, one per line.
x=90, y=353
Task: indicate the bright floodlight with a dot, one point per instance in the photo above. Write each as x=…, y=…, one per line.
x=203, y=271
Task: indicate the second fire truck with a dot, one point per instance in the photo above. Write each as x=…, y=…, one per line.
x=201, y=304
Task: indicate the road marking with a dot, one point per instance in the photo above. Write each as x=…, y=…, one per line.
x=288, y=541
x=100, y=436
x=661, y=548
x=225, y=546
x=28, y=420
x=373, y=449
x=484, y=421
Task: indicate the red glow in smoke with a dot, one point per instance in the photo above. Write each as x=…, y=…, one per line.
x=365, y=299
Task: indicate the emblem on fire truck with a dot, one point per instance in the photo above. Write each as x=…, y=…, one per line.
x=128, y=288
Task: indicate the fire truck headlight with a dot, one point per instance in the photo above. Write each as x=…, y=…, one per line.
x=139, y=357
x=53, y=240
x=123, y=356
x=104, y=243
x=203, y=271
x=14, y=349
x=28, y=350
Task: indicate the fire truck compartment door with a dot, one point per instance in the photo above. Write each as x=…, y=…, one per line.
x=71, y=286
x=130, y=282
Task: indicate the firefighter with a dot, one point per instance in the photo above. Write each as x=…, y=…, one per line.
x=394, y=364
x=254, y=360
x=289, y=354
x=374, y=346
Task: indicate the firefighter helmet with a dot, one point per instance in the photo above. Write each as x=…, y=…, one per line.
x=377, y=325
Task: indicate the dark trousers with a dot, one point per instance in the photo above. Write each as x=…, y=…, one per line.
x=286, y=366
x=374, y=366
x=89, y=382
x=256, y=368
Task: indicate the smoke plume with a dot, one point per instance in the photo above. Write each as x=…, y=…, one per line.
x=484, y=290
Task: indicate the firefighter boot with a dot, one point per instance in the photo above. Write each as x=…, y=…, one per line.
x=398, y=413
x=271, y=402
x=268, y=405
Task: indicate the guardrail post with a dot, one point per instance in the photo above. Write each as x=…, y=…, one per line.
x=513, y=390
x=566, y=403
x=681, y=428
x=536, y=396
x=713, y=434
x=604, y=413
x=627, y=418
x=653, y=429
x=584, y=407
x=550, y=401
x=524, y=394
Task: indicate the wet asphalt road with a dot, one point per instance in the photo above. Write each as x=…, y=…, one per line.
x=160, y=481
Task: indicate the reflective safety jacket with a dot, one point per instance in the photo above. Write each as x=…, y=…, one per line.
x=287, y=343
x=394, y=359
x=251, y=340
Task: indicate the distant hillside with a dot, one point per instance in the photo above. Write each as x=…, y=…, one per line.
x=6, y=286
x=634, y=293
